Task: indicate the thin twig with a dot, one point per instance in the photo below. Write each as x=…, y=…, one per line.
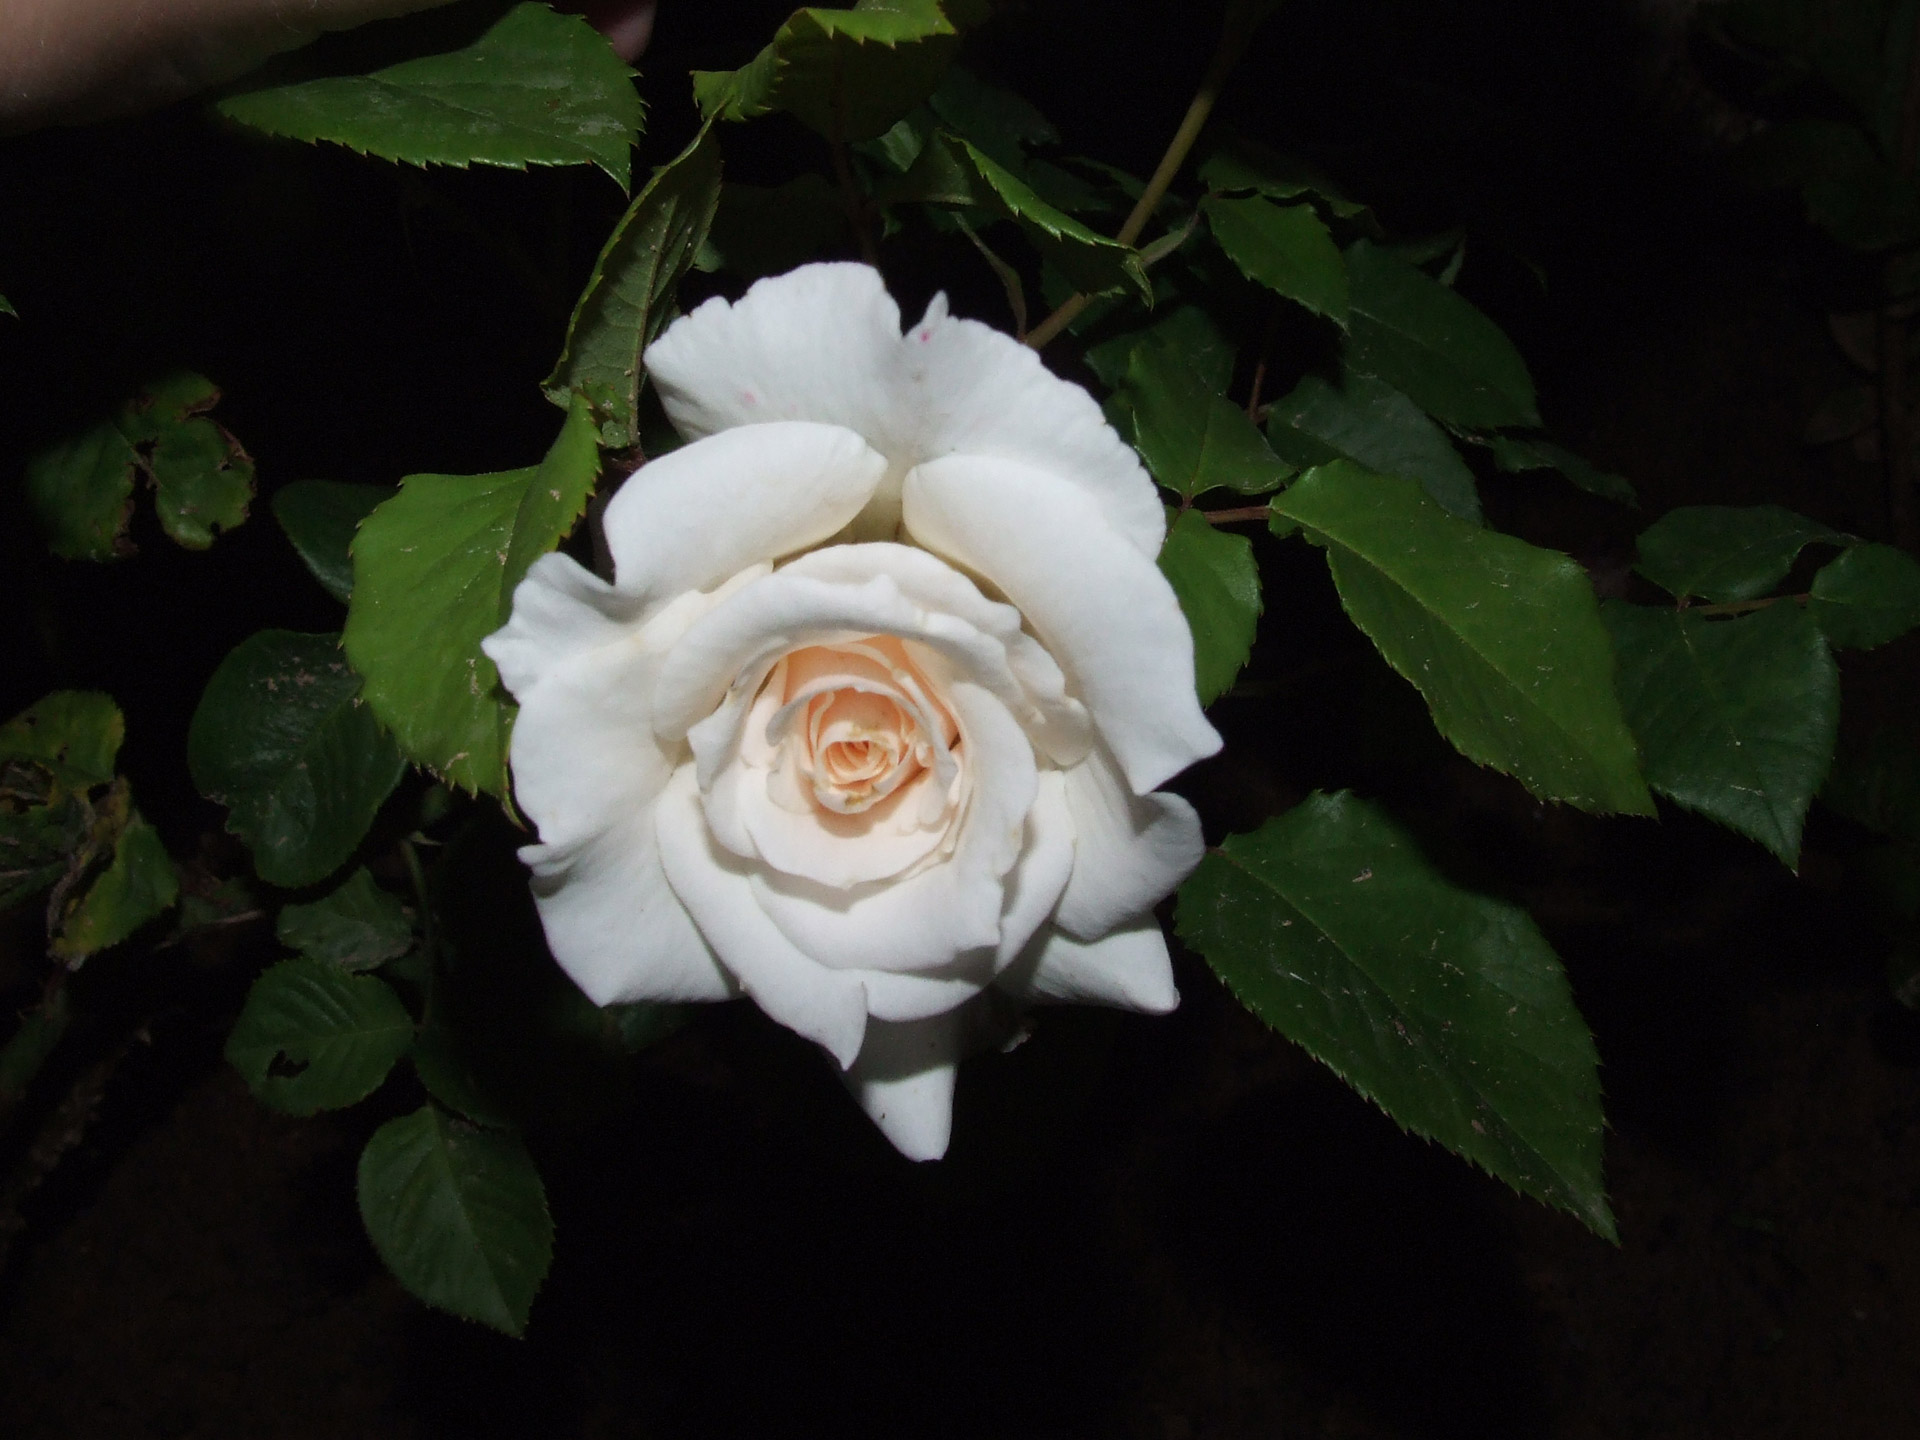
x=1234, y=35
x=850, y=200
x=1743, y=607
x=1245, y=514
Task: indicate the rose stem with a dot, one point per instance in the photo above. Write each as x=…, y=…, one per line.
x=1234, y=34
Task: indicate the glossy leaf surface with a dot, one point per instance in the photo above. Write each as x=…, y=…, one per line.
x=311, y=1037
x=320, y=517
x=1726, y=553
x=1369, y=422
x=459, y=1215
x=1866, y=596
x=1502, y=639
x=537, y=88
x=356, y=927
x=1284, y=247
x=1445, y=1008
x=1736, y=718
x=1195, y=441
x=629, y=296
x=434, y=572
x=1519, y=453
x=1417, y=335
x=280, y=739
x=81, y=493
x=1214, y=576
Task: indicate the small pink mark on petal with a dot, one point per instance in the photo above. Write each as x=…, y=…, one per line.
x=747, y=397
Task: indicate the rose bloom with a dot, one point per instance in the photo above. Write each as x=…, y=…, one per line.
x=868, y=723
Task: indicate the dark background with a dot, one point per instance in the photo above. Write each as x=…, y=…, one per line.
x=1156, y=1228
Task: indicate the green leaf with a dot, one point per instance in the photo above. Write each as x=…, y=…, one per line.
x=440, y=1060
x=6, y=308
x=312, y=1037
x=849, y=74
x=1848, y=188
x=1519, y=453
x=1725, y=553
x=1867, y=596
x=1214, y=577
x=281, y=739
x=629, y=295
x=202, y=478
x=81, y=493
x=356, y=927
x=1240, y=164
x=1406, y=328
x=320, y=518
x=997, y=122
x=459, y=1215
x=1285, y=248
x=74, y=735
x=537, y=88
x=1369, y=422
x=434, y=570
x=1502, y=639
x=1192, y=440
x=1091, y=261
x=28, y=1048
x=768, y=231
x=138, y=884
x=1183, y=331
x=1736, y=718
x=1445, y=1008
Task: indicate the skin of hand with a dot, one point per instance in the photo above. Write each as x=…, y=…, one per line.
x=70, y=61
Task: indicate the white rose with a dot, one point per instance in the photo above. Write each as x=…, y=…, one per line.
x=871, y=716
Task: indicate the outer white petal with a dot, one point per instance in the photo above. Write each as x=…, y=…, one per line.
x=829, y=1007
x=981, y=392
x=819, y=343
x=930, y=919
x=904, y=1081
x=1129, y=850
x=1103, y=609
x=614, y=923
x=559, y=610
x=1128, y=969
x=697, y=516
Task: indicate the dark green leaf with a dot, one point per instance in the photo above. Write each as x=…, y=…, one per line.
x=1877, y=783
x=320, y=517
x=536, y=89
x=6, y=308
x=434, y=570
x=1866, y=596
x=74, y=735
x=439, y=1059
x=1445, y=1008
x=1409, y=330
x=1725, y=553
x=1192, y=440
x=1502, y=639
x=1214, y=576
x=629, y=295
x=1518, y=453
x=202, y=479
x=996, y=122
x=138, y=884
x=81, y=492
x=1370, y=422
x=356, y=927
x=849, y=74
x=1736, y=718
x=459, y=1215
x=1091, y=261
x=1240, y=164
x=281, y=739
x=27, y=1049
x=1285, y=248
x=1184, y=331
x=312, y=1037
x=1849, y=190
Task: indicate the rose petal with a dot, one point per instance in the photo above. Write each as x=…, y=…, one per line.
x=818, y=343
x=1103, y=609
x=700, y=514
x=614, y=923
x=1129, y=850
x=828, y=1007
x=927, y=920
x=823, y=343
x=1128, y=969
x=981, y=392
x=559, y=610
x=903, y=1079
